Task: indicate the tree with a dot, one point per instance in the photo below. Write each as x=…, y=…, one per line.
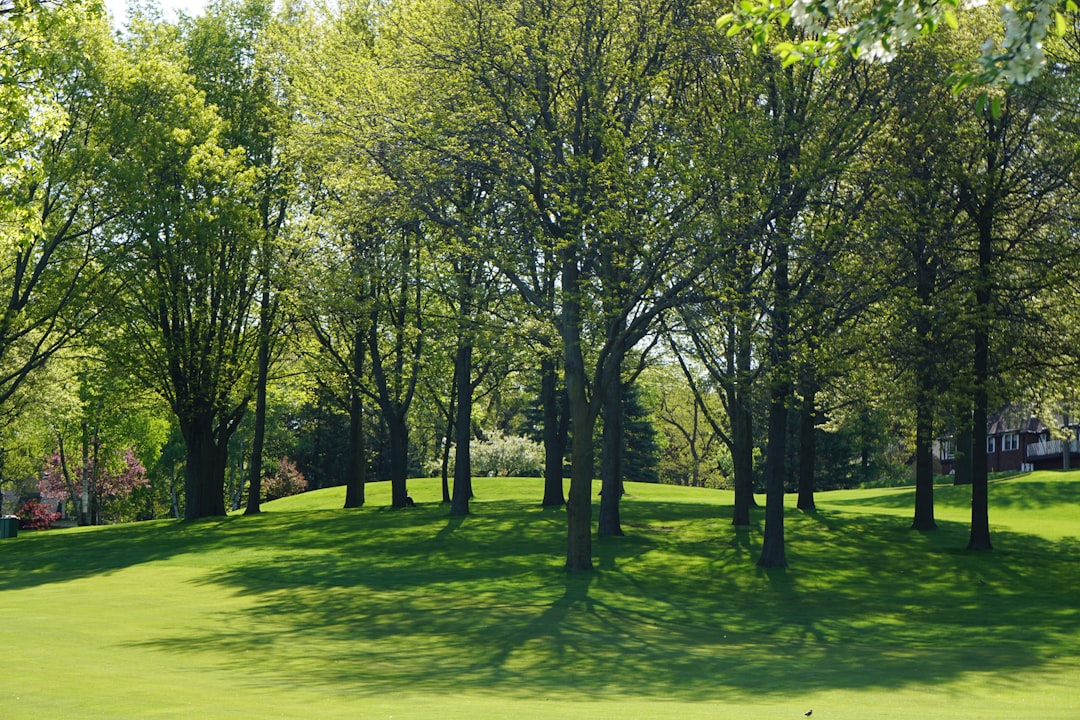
x=191, y=241
x=569, y=92
x=59, y=96
x=878, y=31
x=228, y=50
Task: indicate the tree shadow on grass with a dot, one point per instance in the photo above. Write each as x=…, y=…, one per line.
x=481, y=605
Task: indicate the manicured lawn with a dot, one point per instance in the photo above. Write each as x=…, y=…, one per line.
x=309, y=611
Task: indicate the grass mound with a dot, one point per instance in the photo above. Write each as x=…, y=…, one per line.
x=309, y=610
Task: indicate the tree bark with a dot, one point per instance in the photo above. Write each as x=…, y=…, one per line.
x=459, y=504
x=611, y=487
x=399, y=459
x=742, y=416
x=980, y=512
x=448, y=441
x=807, y=445
x=259, y=439
x=583, y=419
x=555, y=434
x=205, y=472
x=772, y=550
x=924, y=465
x=356, y=468
x=924, y=393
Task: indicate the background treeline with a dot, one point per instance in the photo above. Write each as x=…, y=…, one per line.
x=314, y=244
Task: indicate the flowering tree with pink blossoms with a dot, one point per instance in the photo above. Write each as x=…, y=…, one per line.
x=99, y=488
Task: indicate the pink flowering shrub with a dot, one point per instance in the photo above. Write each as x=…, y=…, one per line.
x=35, y=516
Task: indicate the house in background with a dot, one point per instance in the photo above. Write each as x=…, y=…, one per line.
x=1020, y=442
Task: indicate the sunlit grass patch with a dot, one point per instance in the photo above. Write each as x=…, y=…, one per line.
x=309, y=610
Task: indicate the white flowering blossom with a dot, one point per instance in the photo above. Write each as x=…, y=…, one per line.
x=1020, y=56
x=876, y=29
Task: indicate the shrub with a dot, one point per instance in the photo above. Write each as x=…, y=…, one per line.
x=35, y=516
x=287, y=480
x=508, y=455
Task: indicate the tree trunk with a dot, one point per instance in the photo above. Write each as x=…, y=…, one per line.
x=772, y=550
x=463, y=430
x=742, y=426
x=924, y=464
x=255, y=469
x=583, y=419
x=980, y=512
x=962, y=458
x=399, y=459
x=611, y=487
x=554, y=434
x=924, y=396
x=807, y=445
x=448, y=441
x=205, y=472
x=356, y=468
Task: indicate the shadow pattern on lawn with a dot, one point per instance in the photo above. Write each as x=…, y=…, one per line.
x=675, y=610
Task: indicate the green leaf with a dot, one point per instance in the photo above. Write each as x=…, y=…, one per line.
x=1071, y=6
x=725, y=19
x=995, y=107
x=1061, y=25
x=950, y=19
x=980, y=103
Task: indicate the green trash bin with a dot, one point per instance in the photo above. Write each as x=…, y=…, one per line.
x=9, y=527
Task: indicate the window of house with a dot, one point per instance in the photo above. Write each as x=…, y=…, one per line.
x=1010, y=441
x=948, y=449
x=991, y=445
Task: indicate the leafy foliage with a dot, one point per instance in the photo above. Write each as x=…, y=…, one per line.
x=287, y=480
x=498, y=454
x=35, y=515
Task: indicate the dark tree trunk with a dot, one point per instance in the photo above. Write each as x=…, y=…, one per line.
x=448, y=439
x=356, y=468
x=742, y=425
x=399, y=459
x=772, y=550
x=579, y=504
x=555, y=434
x=924, y=468
x=924, y=465
x=807, y=445
x=583, y=419
x=962, y=459
x=463, y=431
x=205, y=472
x=980, y=513
x=924, y=393
x=611, y=487
x=255, y=469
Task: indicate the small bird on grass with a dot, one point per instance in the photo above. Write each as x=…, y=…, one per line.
x=808, y=713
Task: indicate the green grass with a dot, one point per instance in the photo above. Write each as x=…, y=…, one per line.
x=309, y=611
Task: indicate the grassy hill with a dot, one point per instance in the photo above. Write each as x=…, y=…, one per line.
x=316, y=612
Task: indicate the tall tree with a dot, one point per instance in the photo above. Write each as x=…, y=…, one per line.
x=58, y=96
x=230, y=54
x=191, y=262
x=572, y=91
